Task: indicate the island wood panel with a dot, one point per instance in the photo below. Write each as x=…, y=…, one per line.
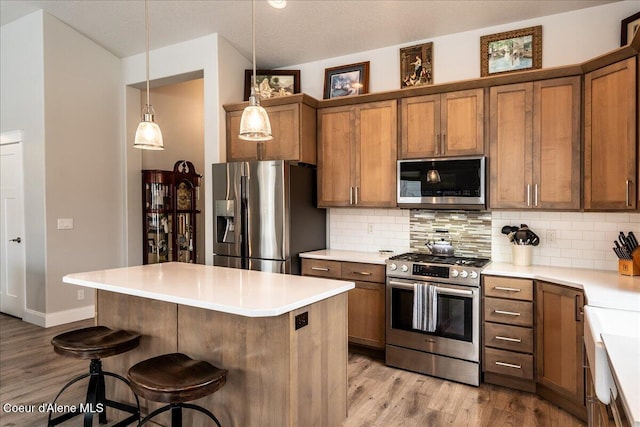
x=278, y=376
x=556, y=143
x=156, y=321
x=335, y=156
x=376, y=154
x=511, y=138
x=610, y=143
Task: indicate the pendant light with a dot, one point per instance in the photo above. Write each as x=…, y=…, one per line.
x=148, y=134
x=254, y=124
x=433, y=176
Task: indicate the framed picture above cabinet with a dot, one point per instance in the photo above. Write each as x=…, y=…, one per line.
x=170, y=206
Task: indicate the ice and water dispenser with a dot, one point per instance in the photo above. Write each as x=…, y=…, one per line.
x=225, y=221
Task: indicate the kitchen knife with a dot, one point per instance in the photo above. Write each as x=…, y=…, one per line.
x=617, y=252
x=634, y=241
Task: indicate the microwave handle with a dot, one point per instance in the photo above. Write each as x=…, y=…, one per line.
x=440, y=290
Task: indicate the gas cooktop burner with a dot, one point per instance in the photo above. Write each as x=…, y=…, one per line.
x=447, y=260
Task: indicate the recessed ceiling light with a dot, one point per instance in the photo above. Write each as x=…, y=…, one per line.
x=278, y=4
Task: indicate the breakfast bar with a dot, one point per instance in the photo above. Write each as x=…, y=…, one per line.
x=283, y=338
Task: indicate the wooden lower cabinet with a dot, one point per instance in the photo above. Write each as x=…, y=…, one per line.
x=366, y=311
x=507, y=345
x=560, y=375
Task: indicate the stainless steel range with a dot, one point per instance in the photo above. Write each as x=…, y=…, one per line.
x=451, y=347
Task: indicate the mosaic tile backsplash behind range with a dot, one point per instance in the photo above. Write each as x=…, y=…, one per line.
x=468, y=231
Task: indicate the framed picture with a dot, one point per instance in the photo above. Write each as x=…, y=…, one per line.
x=629, y=28
x=346, y=80
x=517, y=50
x=272, y=83
x=416, y=65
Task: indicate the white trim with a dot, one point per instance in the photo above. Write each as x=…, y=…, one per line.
x=60, y=317
x=11, y=137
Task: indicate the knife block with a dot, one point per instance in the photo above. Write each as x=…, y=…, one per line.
x=630, y=267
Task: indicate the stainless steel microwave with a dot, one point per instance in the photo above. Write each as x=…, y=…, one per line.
x=442, y=183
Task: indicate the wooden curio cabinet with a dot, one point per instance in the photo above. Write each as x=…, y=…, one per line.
x=169, y=201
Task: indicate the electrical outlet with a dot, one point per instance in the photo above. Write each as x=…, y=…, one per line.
x=302, y=320
x=80, y=294
x=551, y=236
x=370, y=228
x=65, y=223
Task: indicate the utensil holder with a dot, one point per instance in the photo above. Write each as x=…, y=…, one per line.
x=630, y=267
x=521, y=254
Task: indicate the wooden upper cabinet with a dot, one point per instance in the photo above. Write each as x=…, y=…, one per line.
x=610, y=151
x=535, y=145
x=357, y=155
x=293, y=125
x=448, y=124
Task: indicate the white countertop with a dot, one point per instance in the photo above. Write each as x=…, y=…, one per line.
x=606, y=289
x=624, y=359
x=349, y=256
x=243, y=292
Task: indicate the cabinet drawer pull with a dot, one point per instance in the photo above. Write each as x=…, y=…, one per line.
x=320, y=268
x=363, y=273
x=502, y=288
x=508, y=313
x=508, y=365
x=508, y=339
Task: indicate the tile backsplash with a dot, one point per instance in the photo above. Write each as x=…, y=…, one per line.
x=568, y=239
x=468, y=231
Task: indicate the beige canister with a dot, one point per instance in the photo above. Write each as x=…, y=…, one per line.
x=521, y=254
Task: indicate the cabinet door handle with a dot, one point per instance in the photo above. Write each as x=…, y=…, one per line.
x=444, y=143
x=509, y=365
x=436, y=143
x=508, y=313
x=535, y=195
x=578, y=303
x=320, y=268
x=508, y=339
x=628, y=200
x=350, y=195
x=502, y=288
x=528, y=194
x=362, y=273
x=356, y=197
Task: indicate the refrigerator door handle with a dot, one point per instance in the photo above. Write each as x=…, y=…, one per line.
x=244, y=218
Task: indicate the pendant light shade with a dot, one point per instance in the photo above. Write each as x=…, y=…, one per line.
x=148, y=135
x=254, y=124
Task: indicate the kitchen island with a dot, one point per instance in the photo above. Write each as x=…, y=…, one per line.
x=283, y=338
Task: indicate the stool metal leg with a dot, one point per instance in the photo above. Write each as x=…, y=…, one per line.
x=176, y=409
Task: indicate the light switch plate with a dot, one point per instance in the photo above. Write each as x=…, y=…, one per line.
x=65, y=223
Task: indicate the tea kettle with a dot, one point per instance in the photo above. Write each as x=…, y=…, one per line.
x=440, y=248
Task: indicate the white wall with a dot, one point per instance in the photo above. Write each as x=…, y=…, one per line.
x=22, y=100
x=220, y=65
x=567, y=38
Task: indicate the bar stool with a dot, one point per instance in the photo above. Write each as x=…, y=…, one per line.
x=95, y=343
x=176, y=379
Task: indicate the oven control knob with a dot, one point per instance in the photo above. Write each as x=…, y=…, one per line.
x=404, y=268
x=393, y=267
x=454, y=273
x=464, y=274
x=473, y=275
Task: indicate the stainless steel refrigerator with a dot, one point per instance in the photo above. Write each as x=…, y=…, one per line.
x=265, y=215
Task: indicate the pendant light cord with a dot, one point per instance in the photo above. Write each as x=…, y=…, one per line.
x=253, y=44
x=146, y=24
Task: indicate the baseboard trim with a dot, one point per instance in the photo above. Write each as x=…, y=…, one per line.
x=47, y=320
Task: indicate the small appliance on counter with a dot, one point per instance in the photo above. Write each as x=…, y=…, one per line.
x=265, y=215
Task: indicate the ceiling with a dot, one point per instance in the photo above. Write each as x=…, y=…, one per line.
x=305, y=31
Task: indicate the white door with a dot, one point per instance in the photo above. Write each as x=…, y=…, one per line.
x=12, y=242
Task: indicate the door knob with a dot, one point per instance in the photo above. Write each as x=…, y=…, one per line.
x=17, y=240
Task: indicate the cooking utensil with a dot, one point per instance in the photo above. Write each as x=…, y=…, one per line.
x=632, y=238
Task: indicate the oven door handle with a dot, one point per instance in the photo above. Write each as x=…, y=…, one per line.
x=440, y=290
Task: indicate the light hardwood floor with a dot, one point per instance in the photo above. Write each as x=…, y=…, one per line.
x=31, y=373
